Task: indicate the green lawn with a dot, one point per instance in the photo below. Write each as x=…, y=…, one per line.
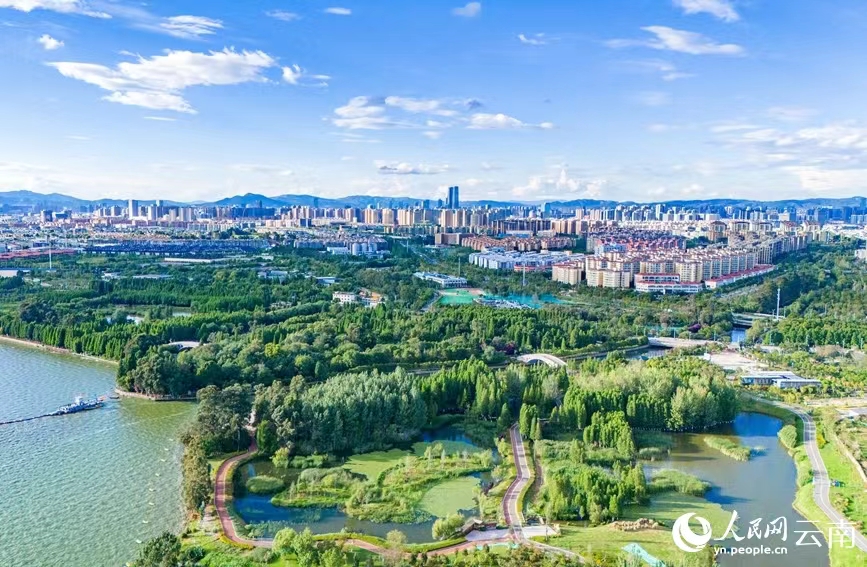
x=851, y=498
x=450, y=496
x=664, y=508
x=840, y=556
x=372, y=464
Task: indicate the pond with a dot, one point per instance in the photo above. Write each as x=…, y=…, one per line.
x=455, y=495
x=763, y=487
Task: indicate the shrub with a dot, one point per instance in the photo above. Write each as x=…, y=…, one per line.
x=447, y=527
x=264, y=484
x=670, y=479
x=789, y=436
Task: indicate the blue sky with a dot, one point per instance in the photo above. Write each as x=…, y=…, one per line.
x=623, y=99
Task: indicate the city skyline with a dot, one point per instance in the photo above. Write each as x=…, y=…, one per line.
x=675, y=99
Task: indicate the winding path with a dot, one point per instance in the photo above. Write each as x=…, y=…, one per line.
x=821, y=482
x=513, y=515
x=221, y=483
x=511, y=500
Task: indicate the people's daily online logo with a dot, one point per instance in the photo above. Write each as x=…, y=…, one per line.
x=761, y=535
x=686, y=539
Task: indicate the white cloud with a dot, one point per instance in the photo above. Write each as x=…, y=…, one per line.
x=160, y=118
x=721, y=9
x=652, y=98
x=561, y=187
x=283, y=15
x=485, y=121
x=670, y=39
x=49, y=43
x=488, y=166
x=78, y=138
x=157, y=82
x=432, y=134
x=420, y=105
x=337, y=11
x=470, y=10
x=295, y=75
x=790, y=113
x=62, y=6
x=363, y=113
x=666, y=70
x=732, y=127
x=190, y=26
x=538, y=39
x=404, y=168
x=829, y=180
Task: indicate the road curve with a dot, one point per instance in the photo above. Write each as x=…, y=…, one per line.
x=221, y=483
x=514, y=516
x=821, y=482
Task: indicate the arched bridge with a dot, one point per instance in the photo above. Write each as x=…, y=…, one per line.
x=548, y=359
x=184, y=345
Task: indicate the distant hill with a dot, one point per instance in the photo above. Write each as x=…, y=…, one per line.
x=18, y=200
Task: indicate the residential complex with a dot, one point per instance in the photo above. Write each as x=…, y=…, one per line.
x=675, y=270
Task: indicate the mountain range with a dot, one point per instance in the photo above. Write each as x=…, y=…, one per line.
x=22, y=200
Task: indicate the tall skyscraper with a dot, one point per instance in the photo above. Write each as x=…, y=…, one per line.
x=133, y=208
x=454, y=200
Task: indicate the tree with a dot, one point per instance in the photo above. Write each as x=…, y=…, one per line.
x=196, y=475
x=161, y=551
x=266, y=438
x=505, y=419
x=395, y=540
x=444, y=528
x=284, y=540
x=536, y=430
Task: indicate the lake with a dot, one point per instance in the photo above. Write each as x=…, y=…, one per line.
x=80, y=490
x=763, y=487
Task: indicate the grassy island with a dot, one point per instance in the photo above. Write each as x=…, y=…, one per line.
x=729, y=448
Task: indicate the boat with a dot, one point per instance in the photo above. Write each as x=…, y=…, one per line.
x=80, y=404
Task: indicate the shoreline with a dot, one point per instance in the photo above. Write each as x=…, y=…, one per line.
x=153, y=397
x=54, y=350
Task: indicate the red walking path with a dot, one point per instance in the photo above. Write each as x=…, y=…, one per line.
x=513, y=516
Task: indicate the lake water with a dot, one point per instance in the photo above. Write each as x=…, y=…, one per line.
x=79, y=490
x=763, y=487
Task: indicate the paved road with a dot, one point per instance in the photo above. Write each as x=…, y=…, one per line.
x=221, y=483
x=821, y=482
x=513, y=515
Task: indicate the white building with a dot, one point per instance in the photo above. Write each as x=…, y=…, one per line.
x=443, y=280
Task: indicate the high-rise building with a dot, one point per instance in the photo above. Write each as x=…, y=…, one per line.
x=454, y=200
x=133, y=208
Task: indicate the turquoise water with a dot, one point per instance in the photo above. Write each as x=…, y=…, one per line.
x=534, y=301
x=80, y=490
